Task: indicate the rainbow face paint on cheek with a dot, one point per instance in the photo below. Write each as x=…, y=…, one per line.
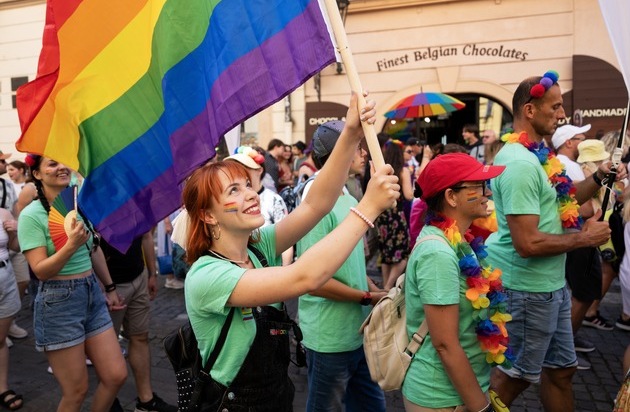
x=471, y=196
x=231, y=207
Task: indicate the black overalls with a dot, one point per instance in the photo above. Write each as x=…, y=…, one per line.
x=262, y=384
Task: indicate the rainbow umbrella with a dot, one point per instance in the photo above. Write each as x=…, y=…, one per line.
x=424, y=105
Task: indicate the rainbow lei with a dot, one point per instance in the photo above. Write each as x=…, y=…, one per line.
x=556, y=173
x=485, y=292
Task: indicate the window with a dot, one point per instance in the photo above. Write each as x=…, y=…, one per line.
x=15, y=83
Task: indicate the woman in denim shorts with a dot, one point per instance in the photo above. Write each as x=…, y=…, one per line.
x=71, y=317
x=9, y=305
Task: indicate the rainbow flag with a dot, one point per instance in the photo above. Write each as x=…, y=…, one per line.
x=136, y=94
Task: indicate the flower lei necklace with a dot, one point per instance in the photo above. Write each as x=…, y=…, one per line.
x=556, y=173
x=485, y=292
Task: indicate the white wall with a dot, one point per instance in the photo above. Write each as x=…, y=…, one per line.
x=21, y=27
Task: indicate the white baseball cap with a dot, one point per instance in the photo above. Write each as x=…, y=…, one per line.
x=567, y=132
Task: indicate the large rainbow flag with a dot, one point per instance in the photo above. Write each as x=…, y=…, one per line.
x=136, y=94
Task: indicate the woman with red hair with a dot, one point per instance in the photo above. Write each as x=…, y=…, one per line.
x=228, y=283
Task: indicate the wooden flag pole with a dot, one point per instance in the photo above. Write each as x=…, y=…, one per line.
x=353, y=77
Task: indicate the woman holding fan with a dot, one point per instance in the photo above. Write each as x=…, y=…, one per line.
x=71, y=318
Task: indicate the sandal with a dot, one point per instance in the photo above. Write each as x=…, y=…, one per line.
x=10, y=403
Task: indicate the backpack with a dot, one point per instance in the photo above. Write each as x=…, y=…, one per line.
x=388, y=350
x=292, y=195
x=182, y=351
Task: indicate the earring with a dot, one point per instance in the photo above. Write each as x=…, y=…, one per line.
x=216, y=237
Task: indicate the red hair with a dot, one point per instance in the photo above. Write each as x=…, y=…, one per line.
x=202, y=190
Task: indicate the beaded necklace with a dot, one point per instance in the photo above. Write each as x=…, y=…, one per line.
x=556, y=173
x=485, y=291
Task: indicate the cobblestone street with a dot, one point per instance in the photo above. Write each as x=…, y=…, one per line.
x=594, y=389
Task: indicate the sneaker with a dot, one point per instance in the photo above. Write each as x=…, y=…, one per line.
x=17, y=332
x=623, y=324
x=8, y=342
x=174, y=284
x=583, y=364
x=154, y=405
x=597, y=322
x=582, y=345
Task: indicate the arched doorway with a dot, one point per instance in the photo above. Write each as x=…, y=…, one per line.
x=486, y=106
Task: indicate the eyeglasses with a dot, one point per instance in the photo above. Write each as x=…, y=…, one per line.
x=481, y=185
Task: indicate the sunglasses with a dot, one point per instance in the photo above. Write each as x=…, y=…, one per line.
x=409, y=151
x=480, y=185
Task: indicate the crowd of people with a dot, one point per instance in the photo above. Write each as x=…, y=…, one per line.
x=515, y=261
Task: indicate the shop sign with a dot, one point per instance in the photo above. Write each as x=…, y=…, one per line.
x=321, y=112
x=437, y=53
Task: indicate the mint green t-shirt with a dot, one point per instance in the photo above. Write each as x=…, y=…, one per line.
x=330, y=326
x=433, y=278
x=524, y=189
x=33, y=232
x=209, y=285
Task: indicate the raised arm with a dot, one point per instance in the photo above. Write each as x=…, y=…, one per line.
x=320, y=262
x=327, y=187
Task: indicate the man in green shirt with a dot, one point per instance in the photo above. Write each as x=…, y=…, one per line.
x=331, y=316
x=531, y=244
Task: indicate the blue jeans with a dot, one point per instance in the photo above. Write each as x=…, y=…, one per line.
x=342, y=377
x=540, y=333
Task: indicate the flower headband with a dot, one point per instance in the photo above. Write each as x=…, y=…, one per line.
x=31, y=159
x=549, y=79
x=251, y=152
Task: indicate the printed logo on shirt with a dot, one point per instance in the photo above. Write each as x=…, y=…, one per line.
x=247, y=313
x=276, y=332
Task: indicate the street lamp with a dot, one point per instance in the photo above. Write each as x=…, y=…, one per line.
x=342, y=5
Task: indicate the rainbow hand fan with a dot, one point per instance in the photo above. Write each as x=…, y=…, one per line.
x=62, y=211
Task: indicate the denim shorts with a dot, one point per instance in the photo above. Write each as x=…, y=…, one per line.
x=67, y=312
x=540, y=333
x=10, y=303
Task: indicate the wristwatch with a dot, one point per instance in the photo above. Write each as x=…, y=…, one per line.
x=366, y=299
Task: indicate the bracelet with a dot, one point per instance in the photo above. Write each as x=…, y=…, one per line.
x=362, y=216
x=597, y=180
x=110, y=288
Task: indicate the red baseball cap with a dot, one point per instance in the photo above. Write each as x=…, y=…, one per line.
x=447, y=170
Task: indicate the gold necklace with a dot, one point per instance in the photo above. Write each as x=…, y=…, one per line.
x=237, y=262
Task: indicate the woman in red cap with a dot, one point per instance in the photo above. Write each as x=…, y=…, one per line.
x=460, y=296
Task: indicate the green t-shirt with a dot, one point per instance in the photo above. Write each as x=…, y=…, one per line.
x=209, y=284
x=33, y=233
x=330, y=326
x=524, y=189
x=433, y=278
